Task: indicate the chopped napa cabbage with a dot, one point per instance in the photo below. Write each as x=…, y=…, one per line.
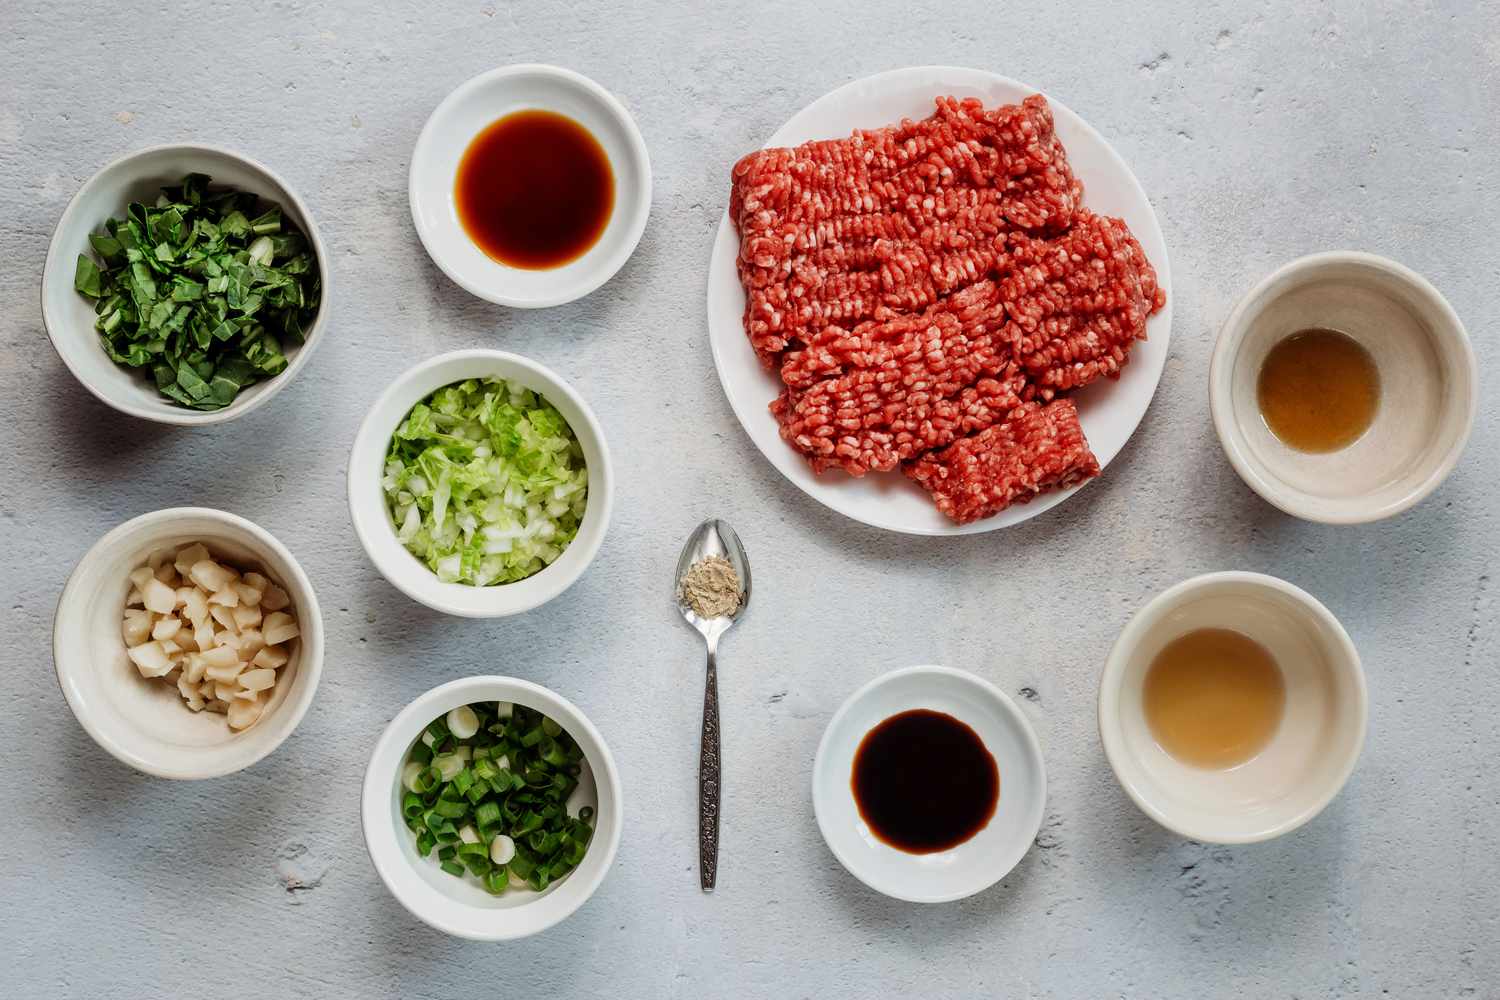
x=485, y=482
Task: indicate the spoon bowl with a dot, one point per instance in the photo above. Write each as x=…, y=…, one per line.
x=711, y=538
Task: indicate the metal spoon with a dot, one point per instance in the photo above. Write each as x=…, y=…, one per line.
x=711, y=538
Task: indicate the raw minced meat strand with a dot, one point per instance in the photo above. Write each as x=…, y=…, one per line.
x=1070, y=308
x=949, y=217
x=931, y=383
x=1013, y=147
x=834, y=349
x=935, y=194
x=889, y=276
x=881, y=441
x=1077, y=302
x=1038, y=448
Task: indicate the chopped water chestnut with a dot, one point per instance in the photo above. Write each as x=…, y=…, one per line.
x=169, y=629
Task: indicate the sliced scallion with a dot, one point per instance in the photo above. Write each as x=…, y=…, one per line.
x=490, y=792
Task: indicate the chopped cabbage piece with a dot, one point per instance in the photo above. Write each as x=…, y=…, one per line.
x=485, y=482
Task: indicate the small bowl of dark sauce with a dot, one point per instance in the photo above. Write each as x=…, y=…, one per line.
x=929, y=784
x=1343, y=388
x=530, y=185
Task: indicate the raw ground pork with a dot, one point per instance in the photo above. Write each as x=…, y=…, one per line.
x=834, y=230
x=927, y=290
x=1039, y=447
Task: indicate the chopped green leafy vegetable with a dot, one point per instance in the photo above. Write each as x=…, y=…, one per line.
x=202, y=290
x=487, y=785
x=485, y=482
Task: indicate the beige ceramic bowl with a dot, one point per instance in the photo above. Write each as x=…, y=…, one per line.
x=1311, y=754
x=144, y=723
x=1427, y=376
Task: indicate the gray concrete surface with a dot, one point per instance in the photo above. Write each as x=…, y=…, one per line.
x=1261, y=132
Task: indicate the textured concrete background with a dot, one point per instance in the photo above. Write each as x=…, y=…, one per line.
x=1261, y=132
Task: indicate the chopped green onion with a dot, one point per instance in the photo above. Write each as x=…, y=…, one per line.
x=494, y=802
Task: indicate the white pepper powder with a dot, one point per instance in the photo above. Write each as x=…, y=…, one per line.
x=710, y=587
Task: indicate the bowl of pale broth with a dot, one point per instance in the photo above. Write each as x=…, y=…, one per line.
x=1232, y=708
x=1343, y=388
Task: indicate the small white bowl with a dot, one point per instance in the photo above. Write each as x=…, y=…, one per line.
x=461, y=906
x=978, y=862
x=142, y=722
x=479, y=103
x=372, y=519
x=69, y=317
x=1311, y=754
x=1428, y=392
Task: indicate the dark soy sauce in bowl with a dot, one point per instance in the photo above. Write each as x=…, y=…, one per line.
x=924, y=782
x=534, y=190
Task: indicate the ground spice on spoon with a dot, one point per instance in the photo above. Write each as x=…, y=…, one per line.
x=710, y=587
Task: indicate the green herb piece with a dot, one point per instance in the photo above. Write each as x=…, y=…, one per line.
x=485, y=482
x=198, y=294
x=462, y=815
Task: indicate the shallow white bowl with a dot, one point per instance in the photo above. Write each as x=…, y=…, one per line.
x=1428, y=387
x=1311, y=754
x=461, y=906
x=69, y=317
x=978, y=862
x=372, y=519
x=142, y=722
x=465, y=113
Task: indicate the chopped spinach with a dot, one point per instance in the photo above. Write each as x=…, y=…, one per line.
x=201, y=290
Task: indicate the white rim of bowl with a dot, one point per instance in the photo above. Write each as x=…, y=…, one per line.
x=1009, y=708
x=56, y=254
x=407, y=726
x=367, y=427
x=311, y=657
x=608, y=268
x=1288, y=499
x=1108, y=710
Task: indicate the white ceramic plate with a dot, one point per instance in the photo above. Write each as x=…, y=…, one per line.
x=984, y=858
x=1110, y=410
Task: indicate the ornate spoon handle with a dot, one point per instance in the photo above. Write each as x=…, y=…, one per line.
x=708, y=778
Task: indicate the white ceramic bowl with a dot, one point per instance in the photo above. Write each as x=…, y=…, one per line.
x=372, y=519
x=69, y=317
x=144, y=723
x=978, y=862
x=1311, y=754
x=484, y=100
x=461, y=906
x=1428, y=393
